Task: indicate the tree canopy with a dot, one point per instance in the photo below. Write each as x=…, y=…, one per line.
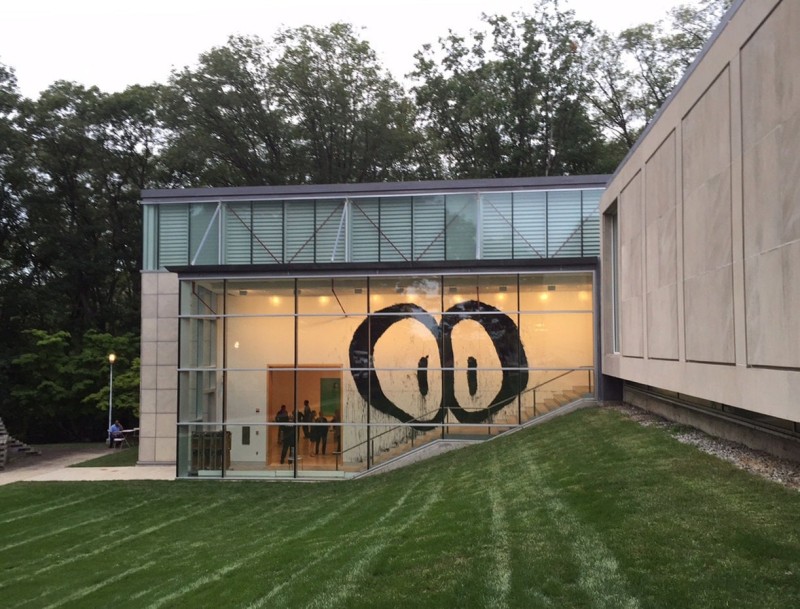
x=532, y=93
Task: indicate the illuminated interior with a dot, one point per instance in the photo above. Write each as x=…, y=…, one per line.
x=391, y=362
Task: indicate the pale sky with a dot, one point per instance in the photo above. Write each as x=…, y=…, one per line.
x=116, y=43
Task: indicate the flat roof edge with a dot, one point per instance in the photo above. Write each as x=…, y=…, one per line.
x=373, y=188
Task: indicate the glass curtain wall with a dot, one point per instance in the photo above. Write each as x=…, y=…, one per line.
x=321, y=377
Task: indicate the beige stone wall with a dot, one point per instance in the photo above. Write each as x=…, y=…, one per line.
x=159, y=363
x=708, y=213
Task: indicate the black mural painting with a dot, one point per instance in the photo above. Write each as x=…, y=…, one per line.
x=422, y=375
x=502, y=331
x=472, y=376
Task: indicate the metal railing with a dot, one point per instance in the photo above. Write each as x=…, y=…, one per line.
x=551, y=393
x=411, y=434
x=377, y=444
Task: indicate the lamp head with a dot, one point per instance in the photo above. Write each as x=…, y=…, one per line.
x=112, y=358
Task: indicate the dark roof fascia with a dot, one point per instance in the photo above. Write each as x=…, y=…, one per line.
x=385, y=268
x=727, y=18
x=311, y=191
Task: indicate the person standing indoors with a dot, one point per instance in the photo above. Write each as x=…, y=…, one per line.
x=289, y=435
x=308, y=417
x=321, y=434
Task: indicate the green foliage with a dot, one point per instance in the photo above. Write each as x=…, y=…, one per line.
x=590, y=510
x=352, y=121
x=226, y=127
x=508, y=101
x=93, y=153
x=312, y=107
x=60, y=392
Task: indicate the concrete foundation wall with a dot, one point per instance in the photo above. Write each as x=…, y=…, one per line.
x=733, y=430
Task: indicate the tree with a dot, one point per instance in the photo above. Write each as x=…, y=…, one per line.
x=690, y=27
x=15, y=296
x=507, y=102
x=634, y=73
x=352, y=121
x=612, y=96
x=312, y=107
x=92, y=153
x=60, y=393
x=227, y=125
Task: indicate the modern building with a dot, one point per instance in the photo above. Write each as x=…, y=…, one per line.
x=403, y=313
x=413, y=312
x=701, y=248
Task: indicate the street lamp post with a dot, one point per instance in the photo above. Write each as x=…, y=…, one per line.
x=111, y=359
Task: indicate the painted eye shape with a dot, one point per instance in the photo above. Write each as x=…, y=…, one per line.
x=407, y=366
x=510, y=375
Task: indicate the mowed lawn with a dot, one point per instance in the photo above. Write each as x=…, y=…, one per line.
x=590, y=510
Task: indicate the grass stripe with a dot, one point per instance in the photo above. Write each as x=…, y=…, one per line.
x=35, y=512
x=600, y=577
x=297, y=574
x=353, y=577
x=40, y=508
x=221, y=572
x=75, y=550
x=500, y=573
x=587, y=511
x=126, y=539
x=87, y=590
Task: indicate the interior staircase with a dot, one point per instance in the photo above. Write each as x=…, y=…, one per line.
x=562, y=398
x=546, y=401
x=10, y=445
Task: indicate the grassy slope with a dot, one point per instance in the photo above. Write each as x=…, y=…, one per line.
x=588, y=511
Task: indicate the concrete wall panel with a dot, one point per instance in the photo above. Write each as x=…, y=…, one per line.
x=709, y=317
x=770, y=92
x=661, y=266
x=773, y=299
x=631, y=293
x=662, y=323
x=707, y=231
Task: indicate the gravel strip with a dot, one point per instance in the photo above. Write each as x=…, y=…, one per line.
x=756, y=462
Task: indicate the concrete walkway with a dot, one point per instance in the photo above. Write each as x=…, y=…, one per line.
x=54, y=465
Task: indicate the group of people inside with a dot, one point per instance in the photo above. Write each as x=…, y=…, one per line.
x=317, y=434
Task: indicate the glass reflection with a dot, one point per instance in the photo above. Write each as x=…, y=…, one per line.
x=424, y=292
